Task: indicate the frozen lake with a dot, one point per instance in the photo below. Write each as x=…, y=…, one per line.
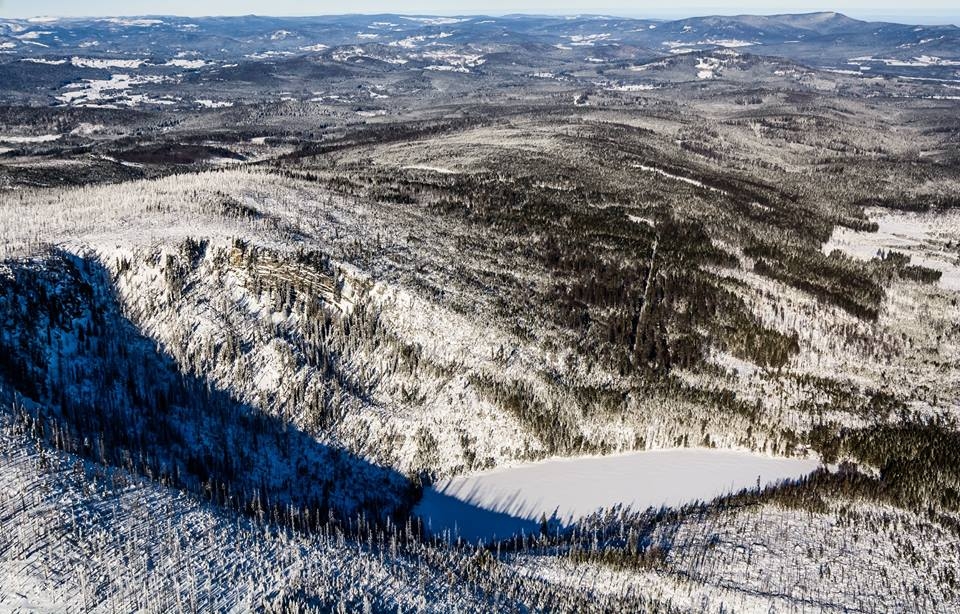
x=503, y=502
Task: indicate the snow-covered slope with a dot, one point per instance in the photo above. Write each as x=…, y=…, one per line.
x=93, y=385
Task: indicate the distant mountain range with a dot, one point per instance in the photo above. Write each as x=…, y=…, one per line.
x=819, y=39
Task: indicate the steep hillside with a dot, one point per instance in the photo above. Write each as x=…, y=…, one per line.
x=268, y=284
x=91, y=384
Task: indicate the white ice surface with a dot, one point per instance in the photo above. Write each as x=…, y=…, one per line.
x=504, y=501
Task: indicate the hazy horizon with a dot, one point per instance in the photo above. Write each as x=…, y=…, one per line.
x=921, y=13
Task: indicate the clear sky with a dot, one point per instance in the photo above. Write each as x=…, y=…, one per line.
x=917, y=11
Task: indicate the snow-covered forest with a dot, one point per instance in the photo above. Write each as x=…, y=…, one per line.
x=240, y=340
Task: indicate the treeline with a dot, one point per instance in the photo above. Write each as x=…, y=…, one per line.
x=610, y=290
x=836, y=279
x=916, y=203
x=918, y=463
x=549, y=423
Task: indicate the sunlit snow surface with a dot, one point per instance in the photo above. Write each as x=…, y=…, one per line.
x=930, y=239
x=502, y=502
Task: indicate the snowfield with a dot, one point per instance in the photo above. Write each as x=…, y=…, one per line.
x=190, y=64
x=925, y=237
x=21, y=140
x=105, y=63
x=112, y=91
